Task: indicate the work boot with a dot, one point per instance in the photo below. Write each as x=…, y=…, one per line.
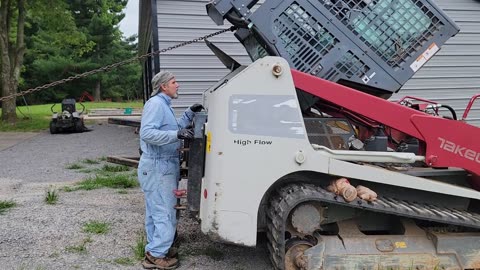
x=165, y=263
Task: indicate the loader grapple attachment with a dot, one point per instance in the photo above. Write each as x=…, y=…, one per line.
x=374, y=46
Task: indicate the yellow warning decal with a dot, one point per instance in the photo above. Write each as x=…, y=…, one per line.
x=209, y=141
x=400, y=245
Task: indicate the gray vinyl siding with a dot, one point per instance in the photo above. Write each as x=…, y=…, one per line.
x=195, y=66
x=452, y=76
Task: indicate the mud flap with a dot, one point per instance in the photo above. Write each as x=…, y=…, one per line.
x=415, y=249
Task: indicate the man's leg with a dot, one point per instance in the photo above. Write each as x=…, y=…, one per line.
x=148, y=178
x=149, y=226
x=162, y=202
x=156, y=202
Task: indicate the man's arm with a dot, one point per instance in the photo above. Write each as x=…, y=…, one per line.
x=186, y=119
x=188, y=115
x=153, y=117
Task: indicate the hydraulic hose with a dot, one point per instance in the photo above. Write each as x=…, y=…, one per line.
x=235, y=20
x=454, y=115
x=436, y=106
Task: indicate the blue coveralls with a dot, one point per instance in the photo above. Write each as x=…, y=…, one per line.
x=159, y=170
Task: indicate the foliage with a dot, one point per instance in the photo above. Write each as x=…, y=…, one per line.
x=99, y=21
x=124, y=261
x=81, y=248
x=74, y=166
x=139, y=248
x=115, y=168
x=90, y=161
x=68, y=37
x=5, y=205
x=96, y=227
x=110, y=176
x=110, y=181
x=51, y=197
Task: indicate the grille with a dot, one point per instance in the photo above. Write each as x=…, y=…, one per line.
x=350, y=66
x=393, y=29
x=374, y=46
x=330, y=132
x=305, y=40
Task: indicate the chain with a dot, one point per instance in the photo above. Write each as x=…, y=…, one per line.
x=115, y=65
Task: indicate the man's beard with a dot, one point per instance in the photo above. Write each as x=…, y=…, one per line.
x=175, y=96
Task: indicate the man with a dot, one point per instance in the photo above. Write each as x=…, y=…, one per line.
x=159, y=167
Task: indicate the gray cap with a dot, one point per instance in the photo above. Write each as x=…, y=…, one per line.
x=161, y=78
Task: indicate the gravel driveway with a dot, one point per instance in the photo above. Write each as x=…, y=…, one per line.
x=35, y=235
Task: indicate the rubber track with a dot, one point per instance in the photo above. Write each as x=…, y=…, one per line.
x=282, y=203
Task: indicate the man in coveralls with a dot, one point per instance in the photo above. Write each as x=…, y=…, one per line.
x=159, y=168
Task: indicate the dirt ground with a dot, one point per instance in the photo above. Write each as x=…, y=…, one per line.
x=36, y=235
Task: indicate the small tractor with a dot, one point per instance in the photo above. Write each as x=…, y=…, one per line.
x=69, y=120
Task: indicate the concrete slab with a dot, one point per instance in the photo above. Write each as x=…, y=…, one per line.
x=9, y=139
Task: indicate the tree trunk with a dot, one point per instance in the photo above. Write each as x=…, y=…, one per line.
x=12, y=56
x=8, y=106
x=8, y=109
x=96, y=95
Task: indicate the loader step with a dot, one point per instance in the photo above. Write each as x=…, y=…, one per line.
x=180, y=207
x=290, y=196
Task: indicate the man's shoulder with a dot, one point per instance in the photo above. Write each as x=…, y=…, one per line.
x=155, y=100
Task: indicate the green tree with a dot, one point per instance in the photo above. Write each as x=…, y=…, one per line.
x=54, y=46
x=99, y=20
x=61, y=38
x=43, y=17
x=124, y=81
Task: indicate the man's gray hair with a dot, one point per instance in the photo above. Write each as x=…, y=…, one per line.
x=159, y=79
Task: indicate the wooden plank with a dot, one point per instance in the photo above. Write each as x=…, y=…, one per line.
x=124, y=121
x=128, y=161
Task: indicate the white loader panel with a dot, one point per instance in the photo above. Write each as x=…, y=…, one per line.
x=255, y=136
x=255, y=129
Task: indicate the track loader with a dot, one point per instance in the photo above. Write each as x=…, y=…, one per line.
x=303, y=144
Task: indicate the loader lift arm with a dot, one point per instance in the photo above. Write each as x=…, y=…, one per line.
x=448, y=143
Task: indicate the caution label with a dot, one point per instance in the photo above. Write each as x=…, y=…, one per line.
x=209, y=142
x=422, y=59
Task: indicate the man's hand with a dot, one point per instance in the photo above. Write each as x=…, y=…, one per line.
x=185, y=133
x=196, y=107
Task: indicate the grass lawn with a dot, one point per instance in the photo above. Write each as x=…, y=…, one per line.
x=38, y=116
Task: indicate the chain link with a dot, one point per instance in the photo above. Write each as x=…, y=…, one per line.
x=115, y=65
